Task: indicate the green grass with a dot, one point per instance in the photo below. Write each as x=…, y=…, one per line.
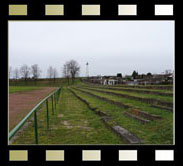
x=153, y=96
x=150, y=90
x=44, y=82
x=148, y=86
x=138, y=89
x=15, y=89
x=73, y=123
x=134, y=103
x=155, y=132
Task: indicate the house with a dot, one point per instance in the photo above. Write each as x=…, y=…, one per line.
x=110, y=82
x=95, y=79
x=131, y=83
x=157, y=79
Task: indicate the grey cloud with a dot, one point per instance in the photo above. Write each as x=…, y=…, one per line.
x=109, y=46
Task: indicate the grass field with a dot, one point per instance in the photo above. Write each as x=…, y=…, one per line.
x=152, y=96
x=72, y=123
x=159, y=87
x=15, y=89
x=44, y=82
x=76, y=123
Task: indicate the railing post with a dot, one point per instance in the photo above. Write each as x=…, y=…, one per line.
x=52, y=105
x=47, y=115
x=58, y=95
x=55, y=100
x=34, y=111
x=35, y=127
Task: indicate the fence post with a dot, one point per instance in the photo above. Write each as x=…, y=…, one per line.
x=58, y=94
x=47, y=114
x=34, y=111
x=52, y=105
x=35, y=127
x=55, y=100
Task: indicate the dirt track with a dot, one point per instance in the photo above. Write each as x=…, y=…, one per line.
x=22, y=102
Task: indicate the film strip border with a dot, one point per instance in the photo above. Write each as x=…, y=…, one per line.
x=86, y=9
x=91, y=10
x=90, y=155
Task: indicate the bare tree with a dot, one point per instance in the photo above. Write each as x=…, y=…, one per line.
x=74, y=69
x=36, y=72
x=168, y=71
x=16, y=73
x=25, y=72
x=66, y=72
x=10, y=71
x=55, y=74
x=50, y=72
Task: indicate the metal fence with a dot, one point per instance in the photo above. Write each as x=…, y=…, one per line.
x=54, y=99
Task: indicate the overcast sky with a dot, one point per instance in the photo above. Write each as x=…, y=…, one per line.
x=110, y=47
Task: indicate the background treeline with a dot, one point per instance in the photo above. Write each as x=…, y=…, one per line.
x=31, y=75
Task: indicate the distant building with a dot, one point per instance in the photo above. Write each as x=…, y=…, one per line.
x=110, y=81
x=156, y=79
x=105, y=80
x=142, y=79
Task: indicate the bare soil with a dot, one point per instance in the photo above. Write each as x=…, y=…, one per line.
x=21, y=103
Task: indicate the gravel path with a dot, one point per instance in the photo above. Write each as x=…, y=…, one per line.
x=22, y=102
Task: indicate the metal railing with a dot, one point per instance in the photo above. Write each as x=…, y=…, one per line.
x=54, y=98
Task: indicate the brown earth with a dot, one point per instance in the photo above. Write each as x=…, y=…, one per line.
x=21, y=103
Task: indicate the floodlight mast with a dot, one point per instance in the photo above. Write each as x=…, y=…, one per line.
x=87, y=70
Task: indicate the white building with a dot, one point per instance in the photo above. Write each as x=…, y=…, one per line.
x=110, y=82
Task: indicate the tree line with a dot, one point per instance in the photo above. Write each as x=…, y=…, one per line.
x=70, y=70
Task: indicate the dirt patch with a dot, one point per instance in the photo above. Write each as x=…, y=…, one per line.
x=85, y=128
x=68, y=126
x=85, y=121
x=60, y=115
x=65, y=123
x=21, y=103
x=145, y=114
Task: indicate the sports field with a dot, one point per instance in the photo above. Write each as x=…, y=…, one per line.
x=15, y=89
x=93, y=114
